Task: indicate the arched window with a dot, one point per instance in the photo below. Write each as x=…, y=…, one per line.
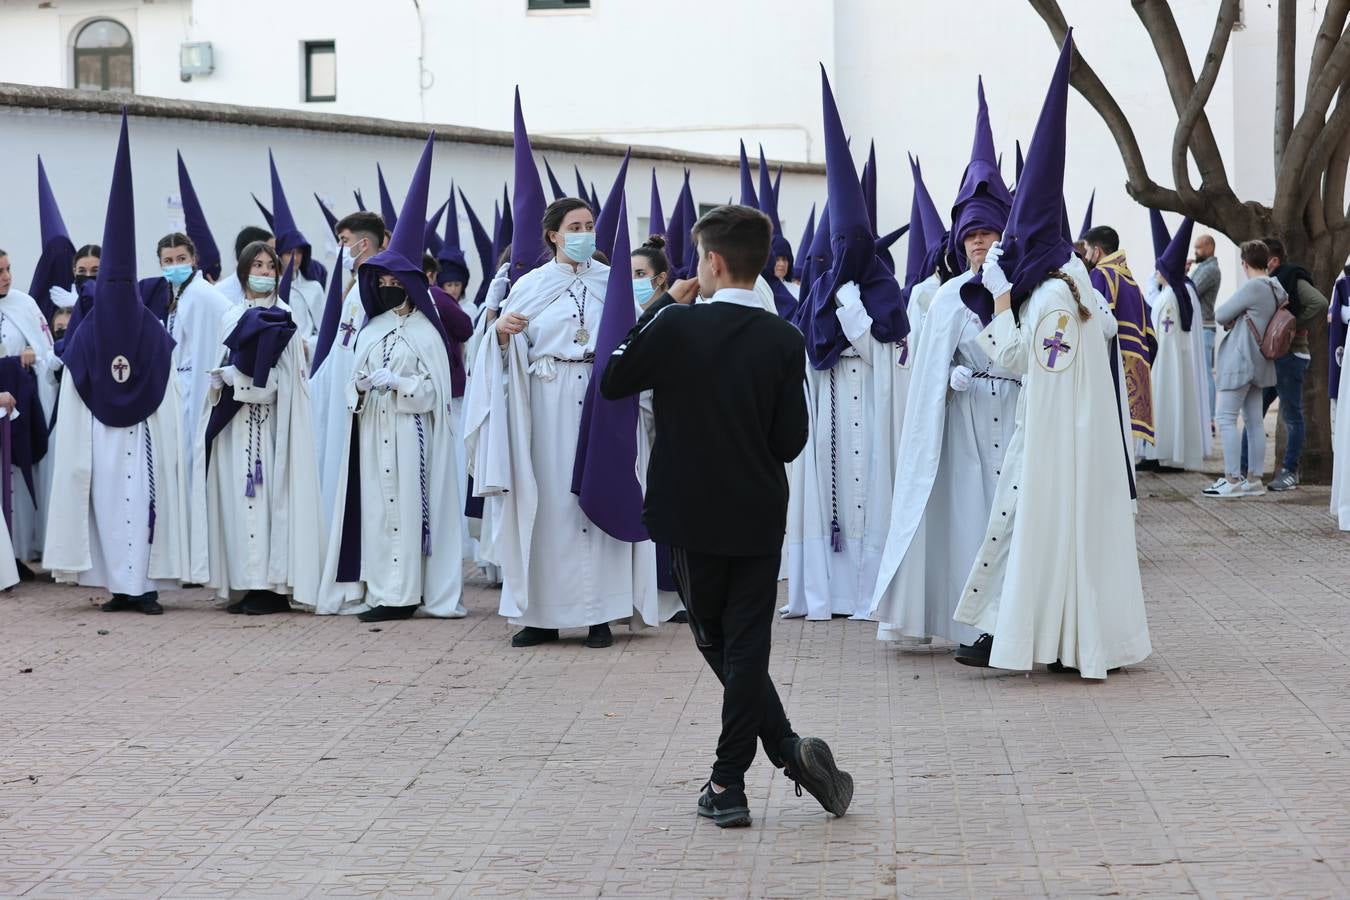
x=103, y=57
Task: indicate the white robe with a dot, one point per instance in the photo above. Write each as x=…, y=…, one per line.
x=1057, y=575
x=1340, y=445
x=23, y=325
x=306, y=302
x=328, y=396
x=406, y=477
x=952, y=452
x=920, y=301
x=522, y=417
x=194, y=325
x=869, y=388
x=230, y=288
x=100, y=529
x=1181, y=414
x=267, y=542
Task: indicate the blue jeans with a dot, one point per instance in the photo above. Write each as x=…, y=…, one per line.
x=1209, y=362
x=1289, y=372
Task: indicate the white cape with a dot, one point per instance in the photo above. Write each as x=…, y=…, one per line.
x=21, y=314
x=1181, y=413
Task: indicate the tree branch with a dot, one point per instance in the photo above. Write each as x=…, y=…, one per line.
x=1285, y=42
x=1195, y=107
x=1333, y=23
x=1317, y=174
x=1289, y=195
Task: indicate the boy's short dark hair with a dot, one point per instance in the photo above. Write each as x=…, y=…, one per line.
x=366, y=224
x=741, y=235
x=1256, y=254
x=430, y=266
x=1103, y=236
x=1274, y=248
x=247, y=235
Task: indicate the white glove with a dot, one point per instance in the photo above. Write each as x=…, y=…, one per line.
x=992, y=274
x=960, y=378
x=228, y=375
x=217, y=380
x=63, y=298
x=501, y=282
x=363, y=383
x=382, y=378
x=848, y=294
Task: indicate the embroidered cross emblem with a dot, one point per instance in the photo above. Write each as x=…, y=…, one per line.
x=1056, y=344
x=121, y=369
x=1167, y=323
x=347, y=329
x=904, y=350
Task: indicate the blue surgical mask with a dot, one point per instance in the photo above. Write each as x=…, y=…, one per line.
x=579, y=246
x=262, y=284
x=643, y=290
x=177, y=275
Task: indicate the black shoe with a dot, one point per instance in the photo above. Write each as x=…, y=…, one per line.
x=533, y=637
x=1058, y=668
x=976, y=654
x=237, y=607
x=680, y=618
x=1146, y=465
x=264, y=603
x=384, y=613
x=728, y=809
x=25, y=573
x=120, y=603
x=599, y=636
x=811, y=765
x=149, y=604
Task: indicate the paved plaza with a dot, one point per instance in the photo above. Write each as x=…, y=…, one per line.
x=202, y=754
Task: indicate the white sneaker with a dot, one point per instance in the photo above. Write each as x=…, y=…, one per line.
x=1252, y=488
x=1224, y=489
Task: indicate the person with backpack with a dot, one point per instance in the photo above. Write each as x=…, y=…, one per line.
x=1260, y=329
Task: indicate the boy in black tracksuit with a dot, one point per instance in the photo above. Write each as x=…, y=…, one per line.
x=727, y=381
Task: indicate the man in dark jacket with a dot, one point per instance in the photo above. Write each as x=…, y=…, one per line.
x=727, y=382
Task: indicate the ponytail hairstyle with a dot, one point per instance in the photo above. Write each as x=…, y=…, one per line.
x=1083, y=312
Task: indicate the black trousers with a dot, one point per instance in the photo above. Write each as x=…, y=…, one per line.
x=731, y=600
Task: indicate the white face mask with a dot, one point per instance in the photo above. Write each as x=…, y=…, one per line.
x=349, y=255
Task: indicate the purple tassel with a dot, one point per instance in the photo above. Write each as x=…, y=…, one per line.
x=836, y=537
x=426, y=539
x=257, y=471
x=152, y=522
x=248, y=486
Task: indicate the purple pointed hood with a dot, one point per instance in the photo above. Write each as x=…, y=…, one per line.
x=528, y=250
x=1034, y=242
x=403, y=257
x=777, y=183
x=918, y=246
x=431, y=240
x=360, y=203
x=328, y=215
x=1161, y=236
x=558, y=192
x=582, y=193
x=607, y=223
x=983, y=201
x=503, y=227
x=1018, y=162
x=194, y=223
x=1087, y=218
x=388, y=211
x=689, y=212
x=1171, y=264
x=869, y=186
x=778, y=245
x=332, y=315
x=748, y=195
x=934, y=231
x=595, y=201
x=266, y=213
x=656, y=218
x=677, y=232
x=287, y=233
x=815, y=261
x=56, y=265
x=482, y=243
x=121, y=362
x=453, y=266
x=804, y=246
x=604, y=474
x=853, y=247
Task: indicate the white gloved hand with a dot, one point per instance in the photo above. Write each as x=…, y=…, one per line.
x=217, y=380
x=229, y=375
x=363, y=383
x=382, y=378
x=848, y=294
x=960, y=378
x=501, y=282
x=63, y=298
x=992, y=274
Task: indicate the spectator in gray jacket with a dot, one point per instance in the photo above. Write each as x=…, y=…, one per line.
x=1205, y=275
x=1242, y=372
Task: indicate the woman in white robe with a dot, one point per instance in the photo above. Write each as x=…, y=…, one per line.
x=522, y=417
x=258, y=547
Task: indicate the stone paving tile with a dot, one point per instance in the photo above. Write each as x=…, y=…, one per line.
x=201, y=755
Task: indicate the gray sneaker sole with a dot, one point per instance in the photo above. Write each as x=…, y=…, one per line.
x=735, y=817
x=824, y=780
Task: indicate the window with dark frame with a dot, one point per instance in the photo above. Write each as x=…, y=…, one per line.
x=103, y=57
x=320, y=71
x=533, y=5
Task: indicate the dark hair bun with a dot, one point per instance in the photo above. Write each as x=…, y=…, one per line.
x=655, y=242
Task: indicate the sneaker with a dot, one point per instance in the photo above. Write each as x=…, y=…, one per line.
x=1252, y=488
x=1284, y=480
x=1225, y=489
x=599, y=637
x=811, y=765
x=976, y=654
x=729, y=809
x=533, y=637
x=384, y=613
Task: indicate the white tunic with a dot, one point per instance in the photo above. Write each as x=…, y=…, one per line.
x=100, y=512
x=522, y=418
x=856, y=412
x=268, y=541
x=306, y=302
x=952, y=453
x=411, y=513
x=328, y=392
x=1057, y=575
x=920, y=301
x=1340, y=445
x=194, y=324
x=23, y=325
x=230, y=288
x=1181, y=415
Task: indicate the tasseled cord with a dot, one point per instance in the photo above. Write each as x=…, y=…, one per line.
x=254, y=476
x=836, y=533
x=150, y=474
x=422, y=474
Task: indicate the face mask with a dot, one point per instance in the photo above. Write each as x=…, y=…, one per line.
x=579, y=246
x=58, y=333
x=82, y=280
x=177, y=275
x=262, y=284
x=349, y=258
x=390, y=296
x=643, y=290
